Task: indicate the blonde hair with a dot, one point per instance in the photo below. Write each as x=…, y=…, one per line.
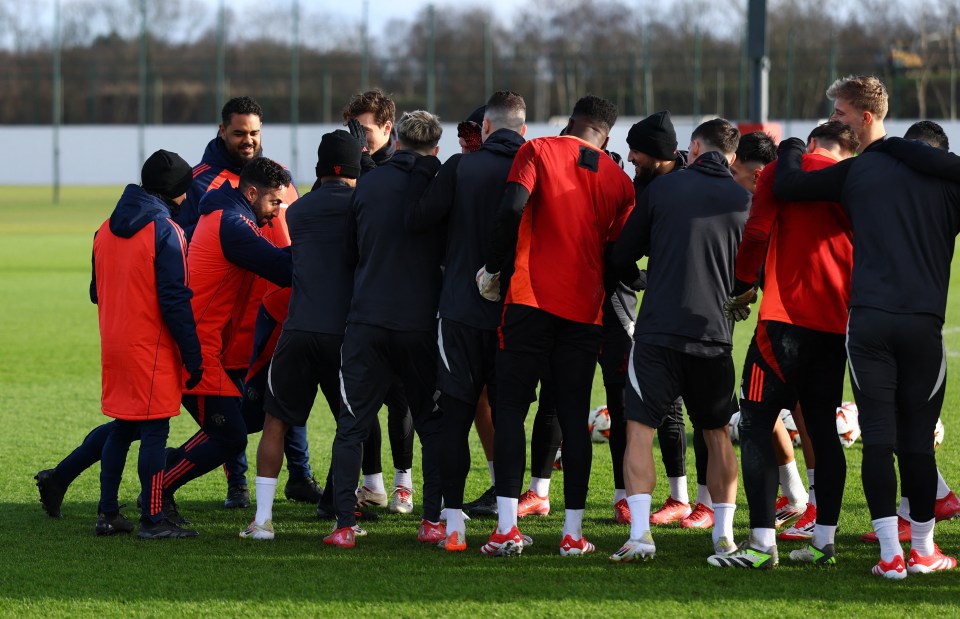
x=419, y=130
x=863, y=92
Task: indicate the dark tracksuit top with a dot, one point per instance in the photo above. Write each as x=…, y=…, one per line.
x=397, y=276
x=322, y=279
x=147, y=329
x=689, y=223
x=466, y=193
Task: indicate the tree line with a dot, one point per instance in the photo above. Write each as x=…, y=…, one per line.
x=688, y=56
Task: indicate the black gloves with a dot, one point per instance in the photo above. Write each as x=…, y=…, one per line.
x=195, y=377
x=469, y=132
x=360, y=135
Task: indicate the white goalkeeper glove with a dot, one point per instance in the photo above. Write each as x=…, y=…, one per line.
x=488, y=284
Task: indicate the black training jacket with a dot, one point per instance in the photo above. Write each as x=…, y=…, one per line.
x=322, y=278
x=689, y=223
x=397, y=276
x=464, y=197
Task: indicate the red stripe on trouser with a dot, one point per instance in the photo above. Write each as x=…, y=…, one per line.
x=201, y=409
x=753, y=382
x=177, y=472
x=226, y=471
x=199, y=439
x=760, y=377
x=155, y=493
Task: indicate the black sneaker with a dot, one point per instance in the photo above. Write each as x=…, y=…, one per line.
x=163, y=530
x=51, y=492
x=238, y=497
x=111, y=524
x=303, y=489
x=485, y=505
x=171, y=513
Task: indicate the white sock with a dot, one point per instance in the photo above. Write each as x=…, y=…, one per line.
x=403, y=478
x=904, y=510
x=618, y=495
x=886, y=530
x=678, y=489
x=792, y=484
x=703, y=496
x=573, y=523
x=507, y=514
x=942, y=488
x=765, y=539
x=540, y=486
x=723, y=521
x=374, y=483
x=813, y=495
x=493, y=477
x=922, y=537
x=823, y=535
x=266, y=489
x=639, y=514
x=455, y=521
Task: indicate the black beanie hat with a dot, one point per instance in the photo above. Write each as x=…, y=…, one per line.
x=166, y=174
x=477, y=115
x=655, y=136
x=338, y=155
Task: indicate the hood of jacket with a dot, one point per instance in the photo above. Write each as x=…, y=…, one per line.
x=404, y=159
x=711, y=163
x=226, y=198
x=135, y=209
x=503, y=142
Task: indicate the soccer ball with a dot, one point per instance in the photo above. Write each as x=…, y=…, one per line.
x=848, y=424
x=938, y=433
x=787, y=416
x=734, y=427
x=598, y=423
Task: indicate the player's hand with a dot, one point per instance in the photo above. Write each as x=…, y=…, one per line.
x=488, y=284
x=737, y=307
x=358, y=133
x=195, y=377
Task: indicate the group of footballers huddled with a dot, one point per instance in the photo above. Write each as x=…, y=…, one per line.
x=451, y=291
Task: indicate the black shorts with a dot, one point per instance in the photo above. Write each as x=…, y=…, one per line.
x=467, y=359
x=786, y=364
x=659, y=375
x=301, y=362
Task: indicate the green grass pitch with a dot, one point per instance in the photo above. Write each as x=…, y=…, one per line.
x=49, y=399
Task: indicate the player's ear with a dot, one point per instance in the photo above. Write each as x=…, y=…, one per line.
x=523, y=130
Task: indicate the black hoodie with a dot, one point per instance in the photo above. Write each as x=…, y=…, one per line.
x=465, y=195
x=689, y=223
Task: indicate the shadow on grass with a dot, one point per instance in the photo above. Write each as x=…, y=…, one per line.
x=62, y=559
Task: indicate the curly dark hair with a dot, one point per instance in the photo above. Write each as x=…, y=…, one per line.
x=596, y=108
x=240, y=105
x=263, y=174
x=382, y=106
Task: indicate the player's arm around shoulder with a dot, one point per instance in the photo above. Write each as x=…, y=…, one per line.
x=245, y=246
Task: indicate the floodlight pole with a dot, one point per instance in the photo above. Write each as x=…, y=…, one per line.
x=295, y=86
x=431, y=60
x=142, y=99
x=365, y=59
x=759, y=62
x=57, y=110
x=221, y=88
